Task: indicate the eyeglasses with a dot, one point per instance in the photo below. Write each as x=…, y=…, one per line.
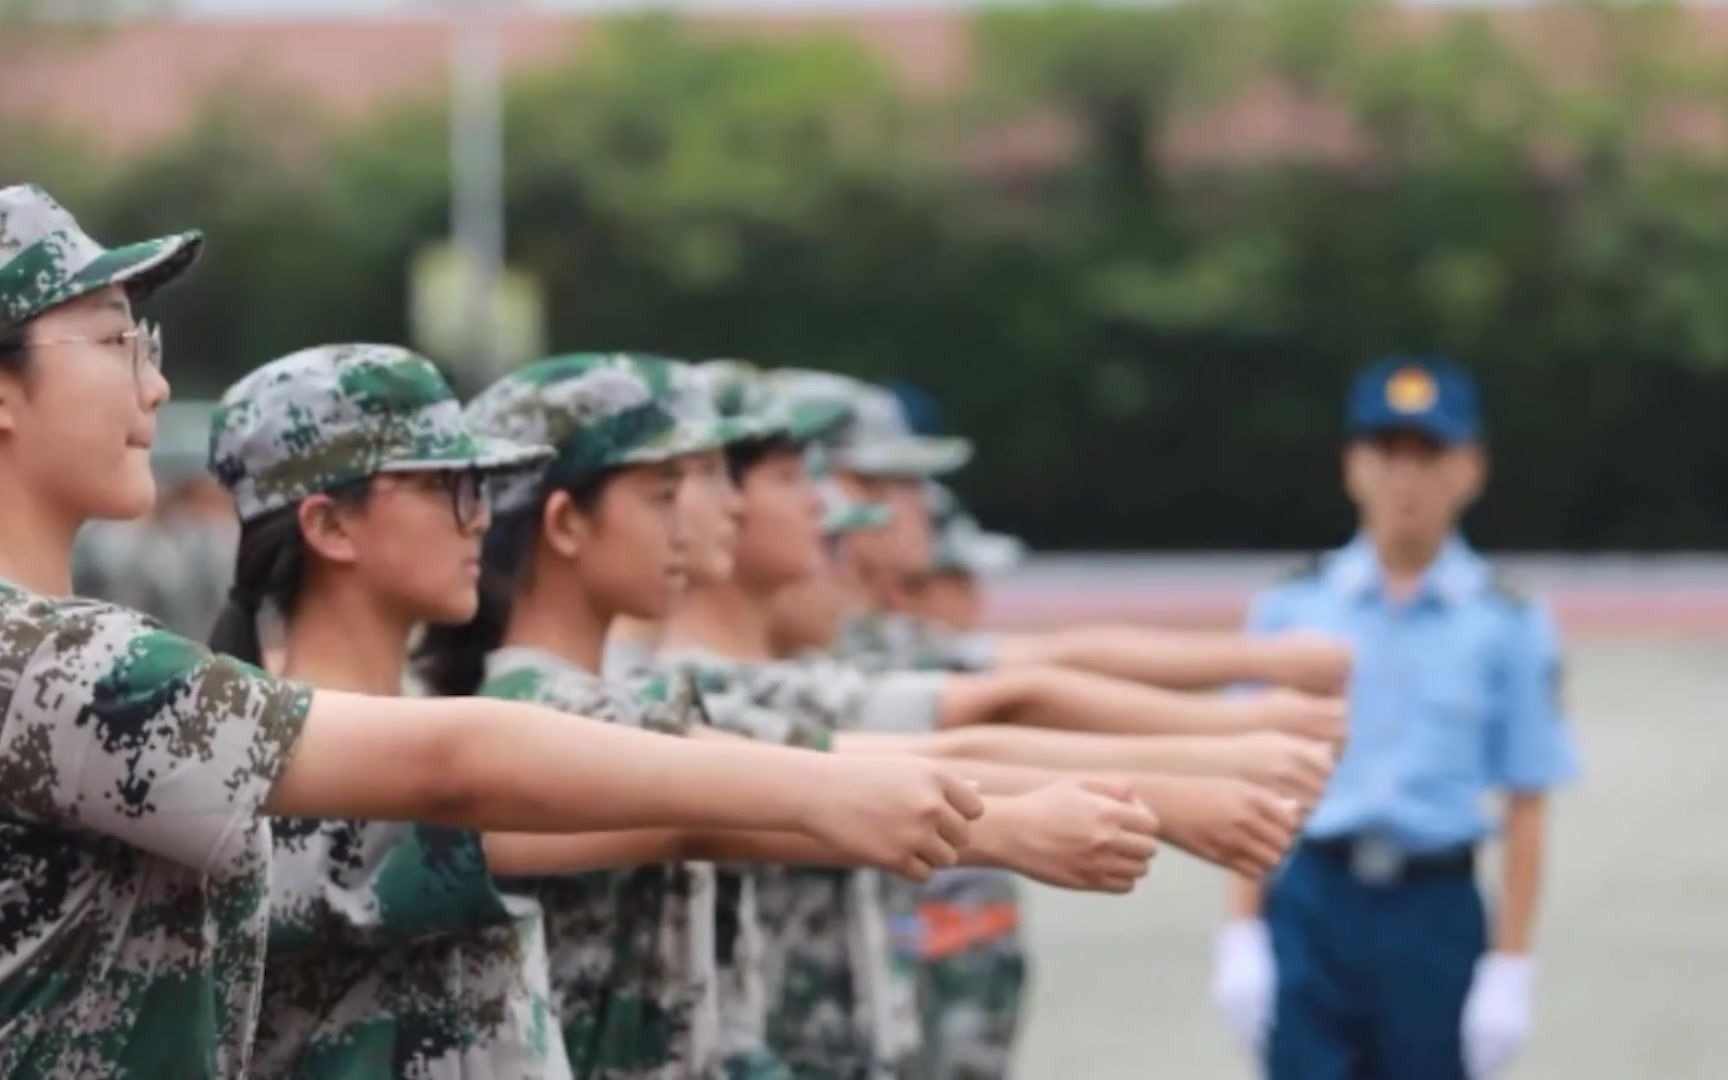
x=142, y=342
x=470, y=495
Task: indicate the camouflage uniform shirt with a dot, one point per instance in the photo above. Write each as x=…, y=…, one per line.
x=392, y=954
x=632, y=951
x=134, y=863
x=832, y=1007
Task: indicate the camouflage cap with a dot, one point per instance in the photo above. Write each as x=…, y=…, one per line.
x=708, y=394
x=842, y=514
x=962, y=544
x=598, y=411
x=743, y=389
x=47, y=260
x=327, y=416
x=876, y=440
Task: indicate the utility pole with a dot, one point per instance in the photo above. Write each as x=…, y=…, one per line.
x=477, y=172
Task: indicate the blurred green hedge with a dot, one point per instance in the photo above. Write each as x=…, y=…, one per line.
x=1147, y=332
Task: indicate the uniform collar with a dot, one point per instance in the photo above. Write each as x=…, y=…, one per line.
x=1457, y=573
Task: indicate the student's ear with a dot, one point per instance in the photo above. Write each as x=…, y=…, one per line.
x=563, y=526
x=1475, y=473
x=326, y=529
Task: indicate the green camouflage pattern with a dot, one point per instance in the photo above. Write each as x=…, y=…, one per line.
x=134, y=860
x=631, y=952
x=173, y=566
x=335, y=414
x=841, y=514
x=599, y=411
x=876, y=439
x=701, y=388
x=833, y=1006
x=741, y=941
x=47, y=260
x=392, y=953
x=969, y=1003
x=963, y=546
x=741, y=389
x=885, y=641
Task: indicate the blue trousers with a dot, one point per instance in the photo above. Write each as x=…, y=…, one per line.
x=1371, y=979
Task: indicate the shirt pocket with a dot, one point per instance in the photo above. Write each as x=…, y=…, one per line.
x=1451, y=718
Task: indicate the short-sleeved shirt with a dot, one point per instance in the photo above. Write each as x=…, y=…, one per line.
x=883, y=641
x=392, y=953
x=134, y=859
x=1455, y=694
x=836, y=1005
x=891, y=641
x=631, y=952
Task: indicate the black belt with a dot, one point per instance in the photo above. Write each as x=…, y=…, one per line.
x=1374, y=861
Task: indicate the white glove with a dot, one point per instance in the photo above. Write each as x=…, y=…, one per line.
x=1497, y=1014
x=1244, y=976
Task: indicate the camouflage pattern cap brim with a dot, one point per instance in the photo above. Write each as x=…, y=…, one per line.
x=856, y=517
x=842, y=514
x=47, y=260
x=332, y=415
x=813, y=421
x=910, y=456
x=976, y=553
x=485, y=453
x=143, y=267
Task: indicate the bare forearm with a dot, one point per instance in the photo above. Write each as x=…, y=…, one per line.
x=1522, y=876
x=1245, y=899
x=1182, y=755
x=546, y=855
x=514, y=767
x=538, y=855
x=1078, y=701
x=1175, y=659
x=1008, y=776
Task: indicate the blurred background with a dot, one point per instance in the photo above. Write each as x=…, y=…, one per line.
x=1133, y=250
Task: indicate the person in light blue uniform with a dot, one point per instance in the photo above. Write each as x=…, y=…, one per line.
x=1371, y=954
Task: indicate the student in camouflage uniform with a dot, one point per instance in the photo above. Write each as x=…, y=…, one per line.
x=964, y=932
x=136, y=767
x=878, y=459
x=590, y=537
x=710, y=635
x=972, y=975
x=391, y=952
x=175, y=564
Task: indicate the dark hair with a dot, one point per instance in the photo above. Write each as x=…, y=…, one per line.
x=741, y=457
x=269, y=567
x=451, y=660
x=14, y=348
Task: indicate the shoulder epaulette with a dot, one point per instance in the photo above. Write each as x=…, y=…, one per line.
x=1502, y=587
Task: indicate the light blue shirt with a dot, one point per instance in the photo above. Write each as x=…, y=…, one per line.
x=1455, y=695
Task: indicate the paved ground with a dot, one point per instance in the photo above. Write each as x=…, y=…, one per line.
x=1634, y=979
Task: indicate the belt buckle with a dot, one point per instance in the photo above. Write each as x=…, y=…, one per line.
x=1376, y=860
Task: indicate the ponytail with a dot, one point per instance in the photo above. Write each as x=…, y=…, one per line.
x=267, y=570
x=451, y=660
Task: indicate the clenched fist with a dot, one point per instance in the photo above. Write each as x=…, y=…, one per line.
x=1231, y=823
x=906, y=815
x=1288, y=764
x=1092, y=836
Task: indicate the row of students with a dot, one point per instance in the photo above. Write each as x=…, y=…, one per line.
x=544, y=905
